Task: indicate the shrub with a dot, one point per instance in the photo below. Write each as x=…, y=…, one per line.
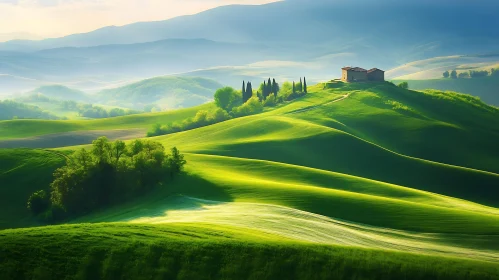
x=271, y=101
x=251, y=107
x=38, y=202
x=227, y=98
x=404, y=85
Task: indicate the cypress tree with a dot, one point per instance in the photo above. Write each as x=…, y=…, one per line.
x=294, y=88
x=249, y=91
x=275, y=87
x=305, y=84
x=264, y=90
x=301, y=86
x=269, y=87
x=244, y=93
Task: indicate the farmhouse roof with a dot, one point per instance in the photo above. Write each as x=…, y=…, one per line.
x=356, y=69
x=374, y=69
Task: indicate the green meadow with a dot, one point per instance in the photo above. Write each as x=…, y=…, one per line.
x=351, y=181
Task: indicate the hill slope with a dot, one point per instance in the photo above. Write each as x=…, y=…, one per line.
x=377, y=170
x=485, y=88
x=164, y=92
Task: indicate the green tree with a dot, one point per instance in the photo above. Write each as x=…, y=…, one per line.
x=275, y=87
x=38, y=202
x=263, y=89
x=294, y=87
x=243, y=91
x=300, y=86
x=176, y=161
x=227, y=98
x=463, y=75
x=305, y=84
x=446, y=74
x=101, y=149
x=249, y=92
x=404, y=85
x=453, y=74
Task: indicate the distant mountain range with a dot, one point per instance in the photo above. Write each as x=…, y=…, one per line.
x=321, y=35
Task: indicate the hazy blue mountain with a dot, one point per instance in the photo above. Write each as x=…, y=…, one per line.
x=323, y=35
x=427, y=27
x=61, y=92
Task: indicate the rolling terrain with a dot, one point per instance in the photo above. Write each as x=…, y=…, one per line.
x=351, y=181
x=485, y=88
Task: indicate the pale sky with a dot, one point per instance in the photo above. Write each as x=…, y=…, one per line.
x=53, y=18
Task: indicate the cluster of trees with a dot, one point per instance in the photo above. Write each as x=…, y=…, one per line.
x=234, y=104
x=13, y=110
x=107, y=174
x=97, y=112
x=202, y=118
x=471, y=74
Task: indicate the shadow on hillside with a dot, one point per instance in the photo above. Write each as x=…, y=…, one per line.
x=186, y=192
x=73, y=138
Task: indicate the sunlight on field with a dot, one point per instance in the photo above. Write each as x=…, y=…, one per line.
x=305, y=226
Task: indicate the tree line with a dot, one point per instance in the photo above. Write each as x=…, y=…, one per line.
x=107, y=174
x=233, y=104
x=471, y=74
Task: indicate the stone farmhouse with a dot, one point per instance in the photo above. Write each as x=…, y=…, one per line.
x=357, y=74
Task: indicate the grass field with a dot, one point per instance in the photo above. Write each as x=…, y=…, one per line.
x=485, y=88
x=29, y=128
x=185, y=251
x=361, y=181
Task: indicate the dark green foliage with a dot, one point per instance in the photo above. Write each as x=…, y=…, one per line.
x=294, y=87
x=243, y=91
x=107, y=174
x=275, y=87
x=251, y=107
x=38, y=202
x=227, y=98
x=494, y=72
x=404, y=85
x=14, y=110
x=446, y=74
x=248, y=93
x=202, y=118
x=176, y=161
x=300, y=86
x=453, y=74
x=97, y=112
x=478, y=73
x=304, y=85
x=463, y=75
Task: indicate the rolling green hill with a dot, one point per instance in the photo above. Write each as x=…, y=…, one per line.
x=13, y=110
x=61, y=92
x=485, y=88
x=165, y=92
x=30, y=128
x=366, y=181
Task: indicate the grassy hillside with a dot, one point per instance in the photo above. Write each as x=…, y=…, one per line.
x=13, y=110
x=30, y=128
x=370, y=166
x=23, y=172
x=183, y=251
x=61, y=92
x=165, y=92
x=485, y=88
